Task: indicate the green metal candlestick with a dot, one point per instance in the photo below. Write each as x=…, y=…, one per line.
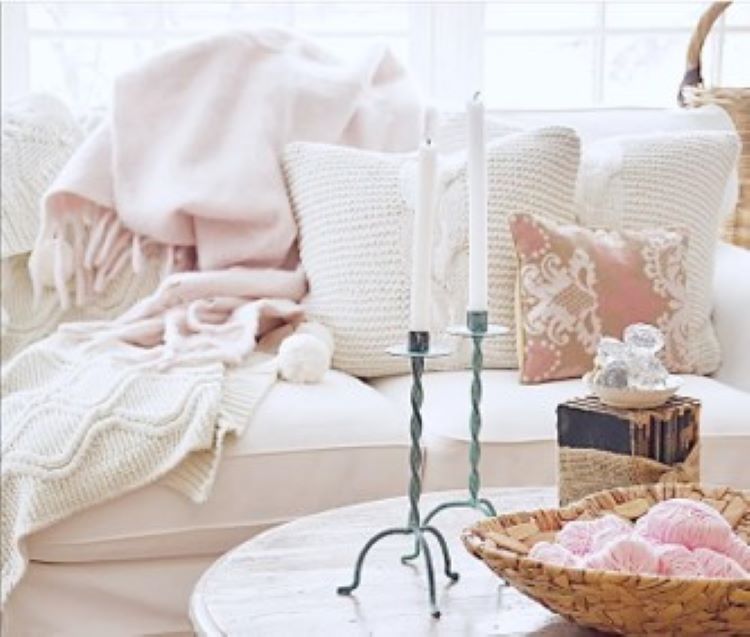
x=417, y=349
x=477, y=329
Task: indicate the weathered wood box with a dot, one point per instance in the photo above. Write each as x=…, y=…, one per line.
x=603, y=447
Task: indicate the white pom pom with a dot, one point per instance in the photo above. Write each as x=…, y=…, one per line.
x=318, y=330
x=303, y=358
x=42, y=261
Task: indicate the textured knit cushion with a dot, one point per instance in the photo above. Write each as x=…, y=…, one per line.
x=354, y=210
x=355, y=238
x=39, y=135
x=576, y=285
x=675, y=179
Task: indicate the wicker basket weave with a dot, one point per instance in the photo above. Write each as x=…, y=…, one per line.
x=619, y=602
x=736, y=101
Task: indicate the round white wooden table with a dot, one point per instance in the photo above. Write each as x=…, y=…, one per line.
x=283, y=582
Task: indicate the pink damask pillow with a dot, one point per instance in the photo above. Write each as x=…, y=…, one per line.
x=576, y=285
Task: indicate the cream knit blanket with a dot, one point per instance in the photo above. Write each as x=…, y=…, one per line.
x=83, y=423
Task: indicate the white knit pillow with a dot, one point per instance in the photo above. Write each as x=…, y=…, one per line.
x=666, y=179
x=354, y=210
x=354, y=238
x=39, y=134
x=530, y=172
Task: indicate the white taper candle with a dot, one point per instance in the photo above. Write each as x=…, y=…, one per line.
x=477, y=207
x=422, y=240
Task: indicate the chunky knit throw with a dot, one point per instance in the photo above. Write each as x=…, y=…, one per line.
x=187, y=166
x=82, y=425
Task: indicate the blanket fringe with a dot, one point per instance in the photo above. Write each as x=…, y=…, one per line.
x=92, y=250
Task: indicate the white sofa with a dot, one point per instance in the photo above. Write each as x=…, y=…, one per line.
x=128, y=566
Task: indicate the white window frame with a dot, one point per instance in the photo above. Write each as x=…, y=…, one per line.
x=15, y=51
x=446, y=43
x=600, y=33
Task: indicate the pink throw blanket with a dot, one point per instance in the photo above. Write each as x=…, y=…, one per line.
x=189, y=162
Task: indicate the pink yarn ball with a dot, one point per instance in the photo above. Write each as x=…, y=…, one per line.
x=687, y=522
x=739, y=551
x=553, y=554
x=715, y=564
x=625, y=555
x=608, y=529
x=579, y=536
x=677, y=561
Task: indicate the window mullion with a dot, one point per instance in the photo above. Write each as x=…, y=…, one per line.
x=15, y=51
x=600, y=44
x=458, y=51
x=421, y=44
x=717, y=42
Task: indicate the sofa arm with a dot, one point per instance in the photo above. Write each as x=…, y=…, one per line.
x=732, y=314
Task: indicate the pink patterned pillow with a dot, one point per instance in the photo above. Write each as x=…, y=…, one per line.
x=576, y=285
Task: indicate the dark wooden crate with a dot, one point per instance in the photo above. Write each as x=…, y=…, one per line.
x=612, y=441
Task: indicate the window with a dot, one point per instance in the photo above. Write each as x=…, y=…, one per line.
x=521, y=54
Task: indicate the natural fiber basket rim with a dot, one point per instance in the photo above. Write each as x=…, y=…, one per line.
x=614, y=576
x=476, y=545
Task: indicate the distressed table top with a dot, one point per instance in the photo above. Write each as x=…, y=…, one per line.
x=283, y=582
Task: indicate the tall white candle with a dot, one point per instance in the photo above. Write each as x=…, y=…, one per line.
x=422, y=240
x=477, y=207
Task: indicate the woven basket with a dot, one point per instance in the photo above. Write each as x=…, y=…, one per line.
x=736, y=102
x=619, y=602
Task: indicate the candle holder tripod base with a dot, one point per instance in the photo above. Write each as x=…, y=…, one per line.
x=417, y=350
x=477, y=329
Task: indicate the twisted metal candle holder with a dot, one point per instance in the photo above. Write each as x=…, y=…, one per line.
x=477, y=329
x=417, y=349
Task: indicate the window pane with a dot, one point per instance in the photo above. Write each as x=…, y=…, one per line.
x=81, y=70
x=540, y=15
x=542, y=72
x=736, y=59
x=708, y=57
x=351, y=16
x=203, y=16
x=738, y=15
x=642, y=69
x=645, y=15
x=96, y=16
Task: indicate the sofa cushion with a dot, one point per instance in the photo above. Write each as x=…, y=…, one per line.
x=519, y=433
x=576, y=285
x=304, y=443
x=354, y=210
x=731, y=311
x=593, y=124
x=677, y=179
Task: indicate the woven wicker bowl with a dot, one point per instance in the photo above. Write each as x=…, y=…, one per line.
x=618, y=602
